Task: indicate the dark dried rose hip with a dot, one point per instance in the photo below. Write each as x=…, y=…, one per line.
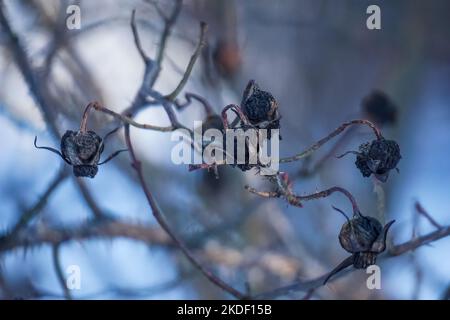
x=378, y=157
x=364, y=237
x=260, y=106
x=380, y=108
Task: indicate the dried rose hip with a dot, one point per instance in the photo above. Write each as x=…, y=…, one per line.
x=260, y=107
x=378, y=157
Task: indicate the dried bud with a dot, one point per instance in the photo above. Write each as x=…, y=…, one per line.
x=82, y=150
x=260, y=107
x=365, y=238
x=379, y=108
x=378, y=157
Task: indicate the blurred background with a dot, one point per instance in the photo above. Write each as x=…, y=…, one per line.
x=320, y=62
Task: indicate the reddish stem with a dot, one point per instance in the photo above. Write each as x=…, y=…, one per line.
x=84, y=119
x=238, y=112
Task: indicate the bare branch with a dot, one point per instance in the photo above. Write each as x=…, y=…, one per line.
x=169, y=22
x=427, y=216
x=40, y=235
x=137, y=39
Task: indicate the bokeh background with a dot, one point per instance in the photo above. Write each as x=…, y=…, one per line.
x=315, y=56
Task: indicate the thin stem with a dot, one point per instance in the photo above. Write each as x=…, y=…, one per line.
x=30, y=213
x=84, y=119
x=192, y=96
x=92, y=204
x=137, y=39
x=190, y=66
x=130, y=121
x=336, y=132
x=236, y=109
x=327, y=193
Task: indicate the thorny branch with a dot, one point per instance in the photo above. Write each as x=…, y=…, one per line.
x=56, y=256
x=106, y=229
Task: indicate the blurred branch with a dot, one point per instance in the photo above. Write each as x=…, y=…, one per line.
x=59, y=272
x=88, y=198
x=30, y=213
x=427, y=216
x=136, y=164
x=190, y=66
x=30, y=76
x=209, y=110
x=42, y=234
x=169, y=22
x=419, y=241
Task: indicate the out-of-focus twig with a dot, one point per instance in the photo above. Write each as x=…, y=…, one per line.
x=56, y=257
x=31, y=212
x=171, y=96
x=106, y=229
